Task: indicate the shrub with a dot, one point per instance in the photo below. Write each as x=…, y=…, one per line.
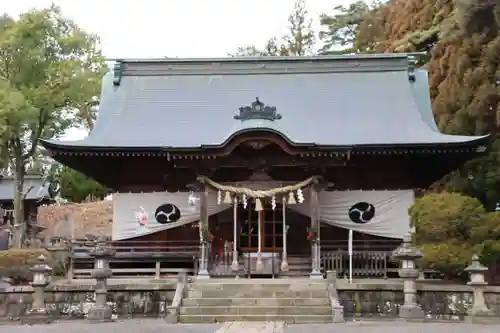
x=450, y=228
x=16, y=263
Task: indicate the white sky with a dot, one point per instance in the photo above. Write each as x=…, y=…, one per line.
x=177, y=28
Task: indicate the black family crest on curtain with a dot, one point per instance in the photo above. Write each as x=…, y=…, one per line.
x=258, y=110
x=167, y=213
x=361, y=212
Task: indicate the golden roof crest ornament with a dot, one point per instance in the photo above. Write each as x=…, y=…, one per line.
x=258, y=110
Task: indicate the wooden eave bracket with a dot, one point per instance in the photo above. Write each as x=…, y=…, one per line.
x=313, y=154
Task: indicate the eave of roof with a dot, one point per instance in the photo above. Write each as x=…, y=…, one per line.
x=478, y=143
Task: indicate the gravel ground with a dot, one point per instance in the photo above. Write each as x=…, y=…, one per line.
x=393, y=327
x=126, y=326
x=157, y=326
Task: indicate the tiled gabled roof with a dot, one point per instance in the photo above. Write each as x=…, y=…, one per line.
x=35, y=188
x=365, y=100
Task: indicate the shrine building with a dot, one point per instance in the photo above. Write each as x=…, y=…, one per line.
x=266, y=165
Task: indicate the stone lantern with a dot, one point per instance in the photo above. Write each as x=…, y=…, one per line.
x=101, y=312
x=407, y=255
x=41, y=272
x=479, y=311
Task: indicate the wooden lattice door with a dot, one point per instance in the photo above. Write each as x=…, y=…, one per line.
x=271, y=229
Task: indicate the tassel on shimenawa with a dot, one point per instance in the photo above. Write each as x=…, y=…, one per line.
x=291, y=198
x=227, y=198
x=258, y=205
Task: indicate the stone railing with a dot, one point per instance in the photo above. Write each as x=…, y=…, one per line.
x=101, y=300
x=75, y=301
x=413, y=299
x=98, y=301
x=437, y=301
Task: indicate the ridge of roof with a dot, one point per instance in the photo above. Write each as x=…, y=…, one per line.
x=263, y=65
x=271, y=58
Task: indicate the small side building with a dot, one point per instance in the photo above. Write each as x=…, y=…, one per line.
x=36, y=191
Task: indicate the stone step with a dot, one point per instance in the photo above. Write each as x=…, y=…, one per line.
x=299, y=264
x=247, y=287
x=295, y=259
x=256, y=301
x=289, y=319
x=256, y=310
x=303, y=273
x=242, y=293
x=258, y=284
x=297, y=269
x=296, y=273
x=298, y=259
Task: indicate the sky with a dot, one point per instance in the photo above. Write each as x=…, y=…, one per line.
x=176, y=28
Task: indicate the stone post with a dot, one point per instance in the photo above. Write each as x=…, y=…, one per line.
x=315, y=253
x=203, y=265
x=337, y=308
x=479, y=313
x=101, y=311
x=38, y=312
x=407, y=255
x=173, y=310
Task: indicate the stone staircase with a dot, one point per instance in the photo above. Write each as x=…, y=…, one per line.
x=288, y=300
x=298, y=265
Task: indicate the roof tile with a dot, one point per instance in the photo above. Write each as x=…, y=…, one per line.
x=340, y=103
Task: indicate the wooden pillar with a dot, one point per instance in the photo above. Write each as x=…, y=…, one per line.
x=315, y=226
x=235, y=264
x=259, y=264
x=204, y=231
x=284, y=256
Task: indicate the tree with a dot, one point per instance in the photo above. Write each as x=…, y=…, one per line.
x=299, y=41
x=450, y=228
x=462, y=42
x=50, y=70
x=351, y=29
x=271, y=48
x=463, y=39
x=75, y=186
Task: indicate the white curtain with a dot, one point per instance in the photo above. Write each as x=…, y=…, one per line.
x=390, y=220
x=391, y=217
x=126, y=207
